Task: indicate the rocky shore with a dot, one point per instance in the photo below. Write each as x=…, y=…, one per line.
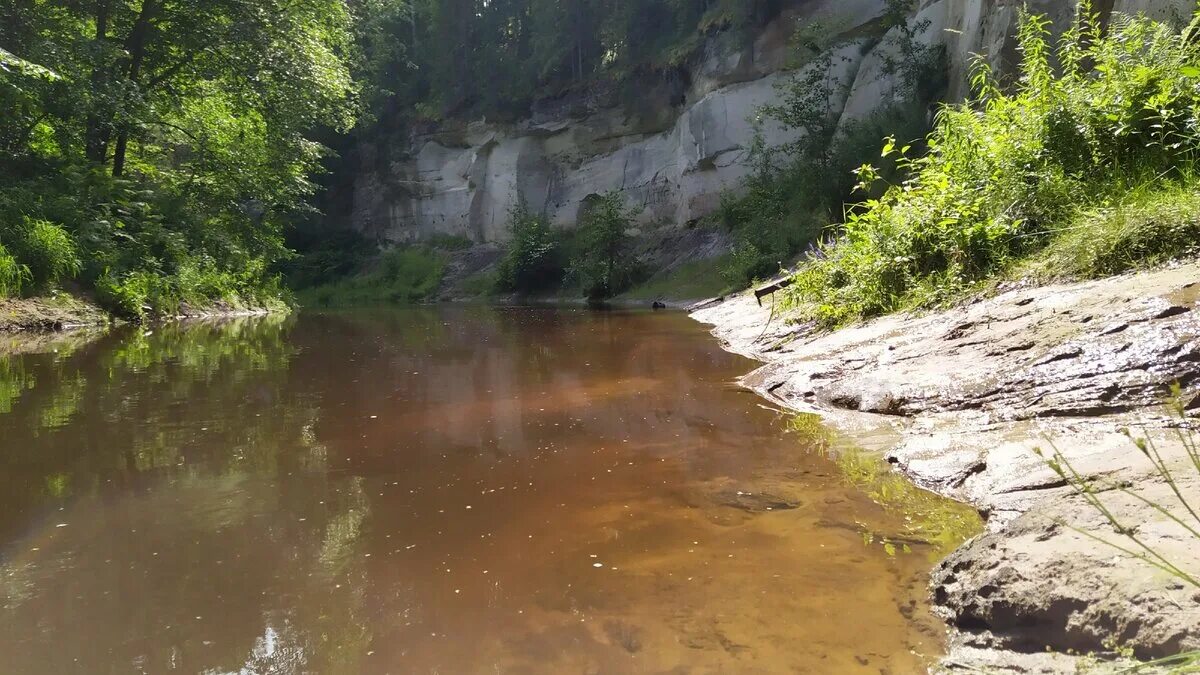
x=960, y=400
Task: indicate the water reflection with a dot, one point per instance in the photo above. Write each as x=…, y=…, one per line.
x=431, y=490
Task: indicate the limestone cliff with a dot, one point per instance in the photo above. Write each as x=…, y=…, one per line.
x=675, y=162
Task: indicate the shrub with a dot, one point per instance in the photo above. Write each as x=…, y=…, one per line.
x=1004, y=172
x=605, y=265
x=128, y=295
x=48, y=251
x=13, y=275
x=533, y=260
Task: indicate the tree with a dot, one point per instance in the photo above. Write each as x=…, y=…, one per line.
x=605, y=267
x=532, y=261
x=172, y=134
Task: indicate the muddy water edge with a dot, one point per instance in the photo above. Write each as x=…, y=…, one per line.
x=451, y=489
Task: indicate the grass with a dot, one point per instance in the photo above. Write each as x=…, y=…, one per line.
x=400, y=276
x=1083, y=168
x=693, y=280
x=1147, y=227
x=13, y=275
x=1183, y=511
x=478, y=285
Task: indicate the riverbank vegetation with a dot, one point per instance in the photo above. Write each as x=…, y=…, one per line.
x=402, y=275
x=1087, y=166
x=152, y=152
x=594, y=259
x=796, y=189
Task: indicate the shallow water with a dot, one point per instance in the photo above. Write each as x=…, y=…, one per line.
x=435, y=490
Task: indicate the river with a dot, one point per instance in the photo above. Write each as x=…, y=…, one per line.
x=442, y=490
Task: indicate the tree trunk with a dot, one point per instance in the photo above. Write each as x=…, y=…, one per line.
x=135, y=45
x=96, y=137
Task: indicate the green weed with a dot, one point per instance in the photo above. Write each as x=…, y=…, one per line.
x=1008, y=173
x=400, y=276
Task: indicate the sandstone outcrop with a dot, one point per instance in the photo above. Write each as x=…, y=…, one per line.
x=674, y=153
x=961, y=400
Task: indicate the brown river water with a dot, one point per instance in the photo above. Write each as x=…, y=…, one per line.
x=442, y=490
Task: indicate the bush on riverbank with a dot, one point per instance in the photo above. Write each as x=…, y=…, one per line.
x=605, y=265
x=533, y=260
x=1092, y=160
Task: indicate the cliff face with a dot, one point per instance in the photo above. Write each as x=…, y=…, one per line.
x=673, y=153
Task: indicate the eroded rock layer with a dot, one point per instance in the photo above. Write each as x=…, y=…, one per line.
x=962, y=400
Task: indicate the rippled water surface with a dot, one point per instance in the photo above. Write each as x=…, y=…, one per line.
x=438, y=490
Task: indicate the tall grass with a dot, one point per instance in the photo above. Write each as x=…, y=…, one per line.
x=1183, y=510
x=49, y=251
x=13, y=275
x=1008, y=172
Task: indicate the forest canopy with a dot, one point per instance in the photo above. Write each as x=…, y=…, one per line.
x=492, y=57
x=154, y=149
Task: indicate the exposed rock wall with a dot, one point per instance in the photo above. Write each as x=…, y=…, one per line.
x=675, y=166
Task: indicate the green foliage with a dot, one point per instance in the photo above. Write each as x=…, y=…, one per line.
x=431, y=59
x=784, y=209
x=1007, y=171
x=533, y=259
x=128, y=296
x=13, y=275
x=139, y=294
x=48, y=252
x=798, y=187
x=401, y=275
x=605, y=265
x=157, y=139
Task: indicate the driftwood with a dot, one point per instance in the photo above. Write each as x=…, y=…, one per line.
x=769, y=288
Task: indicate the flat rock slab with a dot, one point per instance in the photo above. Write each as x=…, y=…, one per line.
x=961, y=401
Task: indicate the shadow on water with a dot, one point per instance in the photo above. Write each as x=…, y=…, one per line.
x=452, y=489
